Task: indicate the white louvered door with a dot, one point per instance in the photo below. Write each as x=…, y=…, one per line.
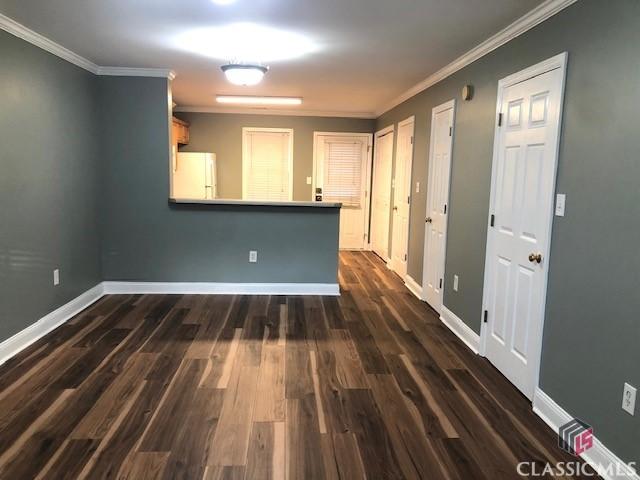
x=342, y=176
x=267, y=168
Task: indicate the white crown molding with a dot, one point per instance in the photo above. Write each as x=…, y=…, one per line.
x=277, y=111
x=536, y=16
x=21, y=340
x=11, y=26
x=525, y=23
x=136, y=72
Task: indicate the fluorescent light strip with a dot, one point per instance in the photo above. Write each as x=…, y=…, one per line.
x=249, y=100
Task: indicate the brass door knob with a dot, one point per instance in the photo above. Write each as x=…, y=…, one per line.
x=535, y=257
x=429, y=220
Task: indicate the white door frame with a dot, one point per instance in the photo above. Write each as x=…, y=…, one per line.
x=367, y=193
x=381, y=133
x=553, y=63
x=245, y=155
x=451, y=104
x=406, y=121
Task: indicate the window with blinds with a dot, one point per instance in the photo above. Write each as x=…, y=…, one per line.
x=343, y=172
x=267, y=169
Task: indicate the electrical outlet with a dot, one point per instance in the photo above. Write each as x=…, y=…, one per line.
x=56, y=277
x=629, y=399
x=455, y=283
x=308, y=180
x=253, y=256
x=417, y=187
x=561, y=199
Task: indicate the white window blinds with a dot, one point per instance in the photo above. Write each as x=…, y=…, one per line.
x=267, y=174
x=343, y=172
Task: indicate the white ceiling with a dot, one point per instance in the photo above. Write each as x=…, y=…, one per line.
x=354, y=56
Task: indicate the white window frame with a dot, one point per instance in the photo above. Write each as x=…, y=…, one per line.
x=245, y=155
x=316, y=139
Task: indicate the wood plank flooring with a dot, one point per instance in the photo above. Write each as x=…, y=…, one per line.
x=366, y=385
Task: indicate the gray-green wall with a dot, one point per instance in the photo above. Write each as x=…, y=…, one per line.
x=48, y=183
x=147, y=239
x=592, y=327
x=222, y=134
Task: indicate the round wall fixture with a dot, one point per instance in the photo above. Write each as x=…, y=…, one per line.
x=467, y=92
x=245, y=75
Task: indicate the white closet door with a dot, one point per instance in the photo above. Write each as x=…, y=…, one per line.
x=381, y=195
x=523, y=186
x=437, y=203
x=402, y=198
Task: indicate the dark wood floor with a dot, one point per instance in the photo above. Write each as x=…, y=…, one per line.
x=369, y=384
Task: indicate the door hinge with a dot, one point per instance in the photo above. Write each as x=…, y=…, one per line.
x=486, y=316
x=441, y=283
x=500, y=119
x=409, y=199
x=450, y=131
x=445, y=208
x=411, y=139
x=405, y=257
x=493, y=220
x=368, y=148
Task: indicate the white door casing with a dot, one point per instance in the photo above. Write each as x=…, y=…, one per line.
x=381, y=192
x=342, y=172
x=435, y=238
x=526, y=144
x=402, y=197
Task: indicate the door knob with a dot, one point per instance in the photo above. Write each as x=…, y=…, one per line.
x=533, y=257
x=429, y=220
x=395, y=209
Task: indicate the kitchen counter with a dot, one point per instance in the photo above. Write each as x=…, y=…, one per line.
x=211, y=241
x=255, y=203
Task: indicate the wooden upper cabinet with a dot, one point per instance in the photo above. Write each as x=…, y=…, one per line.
x=180, y=131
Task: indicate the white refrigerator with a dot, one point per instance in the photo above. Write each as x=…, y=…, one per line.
x=194, y=176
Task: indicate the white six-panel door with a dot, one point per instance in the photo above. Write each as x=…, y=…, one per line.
x=402, y=197
x=342, y=174
x=437, y=203
x=519, y=233
x=381, y=193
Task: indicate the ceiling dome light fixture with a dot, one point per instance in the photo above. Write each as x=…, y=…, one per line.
x=245, y=75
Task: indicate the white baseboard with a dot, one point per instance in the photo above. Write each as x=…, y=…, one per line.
x=205, y=288
x=460, y=329
x=413, y=286
x=599, y=455
x=21, y=340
